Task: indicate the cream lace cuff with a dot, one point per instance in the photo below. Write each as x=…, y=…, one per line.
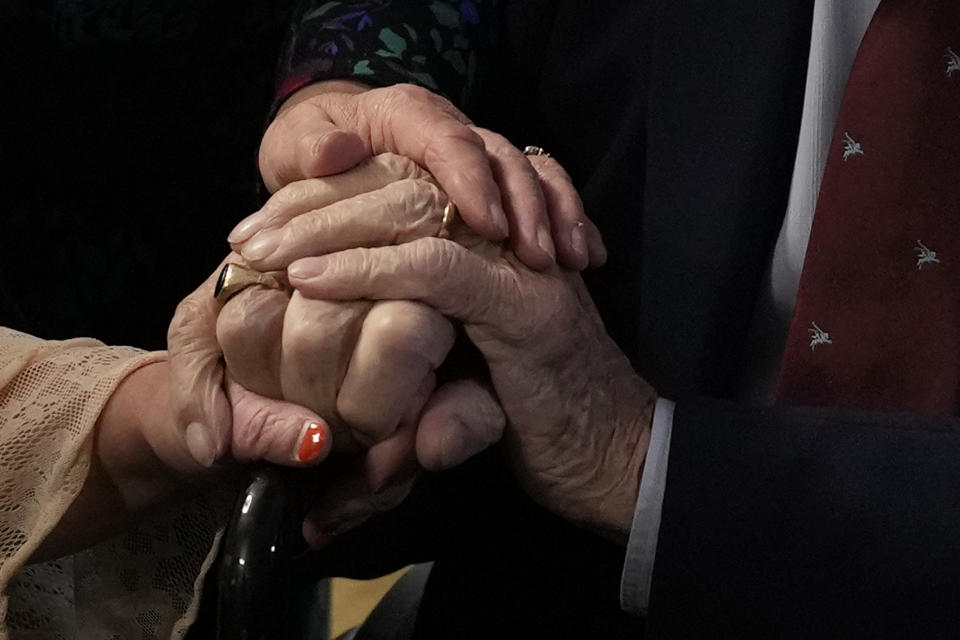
x=139, y=585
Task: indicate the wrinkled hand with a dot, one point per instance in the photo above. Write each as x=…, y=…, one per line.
x=329, y=127
x=578, y=415
x=216, y=418
x=367, y=368
x=354, y=363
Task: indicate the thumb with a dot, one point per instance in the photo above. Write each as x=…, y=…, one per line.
x=460, y=420
x=197, y=397
x=303, y=142
x=274, y=430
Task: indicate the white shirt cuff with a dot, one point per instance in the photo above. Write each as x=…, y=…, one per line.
x=642, y=545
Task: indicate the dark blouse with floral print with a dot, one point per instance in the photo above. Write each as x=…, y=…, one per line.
x=432, y=43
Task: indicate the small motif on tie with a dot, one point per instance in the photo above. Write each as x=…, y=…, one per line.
x=850, y=147
x=953, y=61
x=818, y=336
x=925, y=255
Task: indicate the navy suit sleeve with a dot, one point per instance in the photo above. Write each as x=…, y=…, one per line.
x=808, y=522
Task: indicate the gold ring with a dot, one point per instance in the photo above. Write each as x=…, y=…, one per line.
x=449, y=217
x=235, y=277
x=531, y=150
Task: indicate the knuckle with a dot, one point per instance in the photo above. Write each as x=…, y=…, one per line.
x=310, y=148
x=299, y=338
x=413, y=332
x=466, y=134
x=291, y=193
x=399, y=167
x=446, y=132
x=360, y=260
x=413, y=93
x=365, y=426
x=436, y=257
x=187, y=315
x=229, y=328
x=289, y=120
x=495, y=142
x=396, y=322
x=451, y=129
x=249, y=438
x=568, y=206
x=420, y=204
x=296, y=235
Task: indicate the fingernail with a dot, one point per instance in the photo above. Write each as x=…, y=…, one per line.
x=315, y=536
x=261, y=245
x=458, y=444
x=545, y=242
x=392, y=480
x=246, y=228
x=578, y=241
x=304, y=269
x=602, y=258
x=499, y=219
x=312, y=442
x=199, y=443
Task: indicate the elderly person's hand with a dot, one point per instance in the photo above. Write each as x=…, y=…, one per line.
x=330, y=126
x=358, y=364
x=367, y=368
x=217, y=418
x=578, y=415
x=166, y=423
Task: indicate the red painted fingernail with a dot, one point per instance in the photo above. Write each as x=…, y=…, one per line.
x=312, y=443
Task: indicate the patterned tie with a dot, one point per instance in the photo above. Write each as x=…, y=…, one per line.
x=876, y=321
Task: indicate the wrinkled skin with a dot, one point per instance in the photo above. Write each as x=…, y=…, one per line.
x=578, y=415
x=328, y=127
x=367, y=368
x=324, y=130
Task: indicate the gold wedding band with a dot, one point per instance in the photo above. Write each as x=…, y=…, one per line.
x=235, y=277
x=449, y=217
x=531, y=150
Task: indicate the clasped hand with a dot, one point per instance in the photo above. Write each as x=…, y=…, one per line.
x=365, y=327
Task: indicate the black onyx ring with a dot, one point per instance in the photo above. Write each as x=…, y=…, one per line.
x=235, y=277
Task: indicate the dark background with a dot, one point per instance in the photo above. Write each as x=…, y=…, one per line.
x=128, y=140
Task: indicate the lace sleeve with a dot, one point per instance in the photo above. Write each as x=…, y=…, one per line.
x=140, y=584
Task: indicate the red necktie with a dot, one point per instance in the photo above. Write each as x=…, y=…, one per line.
x=877, y=321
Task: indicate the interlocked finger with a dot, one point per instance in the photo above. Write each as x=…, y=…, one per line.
x=249, y=329
x=397, y=213
x=523, y=200
x=461, y=419
x=318, y=340
x=378, y=481
x=306, y=195
x=302, y=142
x=400, y=344
x=577, y=239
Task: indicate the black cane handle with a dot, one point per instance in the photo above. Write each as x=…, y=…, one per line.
x=261, y=545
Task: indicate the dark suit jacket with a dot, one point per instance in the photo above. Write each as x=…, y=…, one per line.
x=678, y=121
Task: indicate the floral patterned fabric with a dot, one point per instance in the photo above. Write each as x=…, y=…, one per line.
x=432, y=43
